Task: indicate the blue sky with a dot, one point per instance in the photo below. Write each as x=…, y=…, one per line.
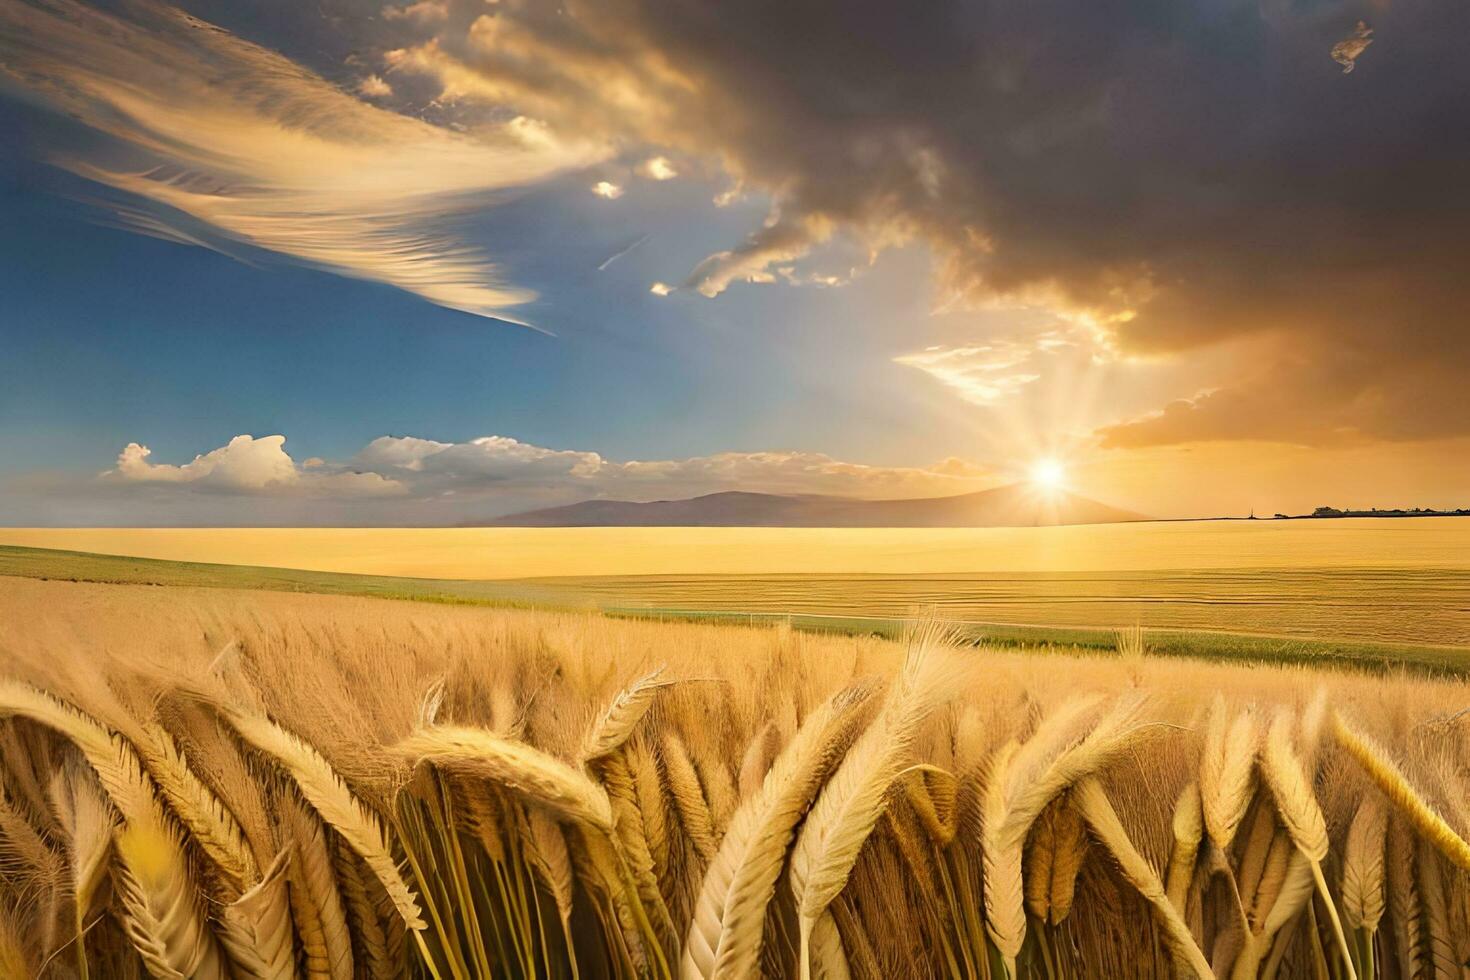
x=884, y=279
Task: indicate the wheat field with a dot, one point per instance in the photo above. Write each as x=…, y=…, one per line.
x=207, y=783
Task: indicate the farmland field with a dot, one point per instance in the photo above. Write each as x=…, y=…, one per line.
x=1375, y=581
x=414, y=790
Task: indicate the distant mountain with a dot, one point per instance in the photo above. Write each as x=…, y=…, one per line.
x=1017, y=505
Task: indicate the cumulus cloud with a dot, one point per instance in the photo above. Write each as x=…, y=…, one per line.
x=247, y=465
x=221, y=138
x=607, y=189
x=499, y=464
x=1184, y=176
x=409, y=479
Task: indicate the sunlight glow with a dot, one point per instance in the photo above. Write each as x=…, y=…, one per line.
x=1048, y=474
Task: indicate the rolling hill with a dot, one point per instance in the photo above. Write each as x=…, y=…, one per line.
x=1017, y=505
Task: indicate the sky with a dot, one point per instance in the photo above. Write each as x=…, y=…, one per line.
x=348, y=262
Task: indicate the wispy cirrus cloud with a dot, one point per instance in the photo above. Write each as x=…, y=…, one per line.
x=217, y=137
x=980, y=373
x=989, y=371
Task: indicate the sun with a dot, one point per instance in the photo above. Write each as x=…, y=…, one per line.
x=1048, y=474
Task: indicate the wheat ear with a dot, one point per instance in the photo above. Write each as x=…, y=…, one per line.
x=255, y=929
x=1093, y=803
x=653, y=810
x=853, y=800
x=1272, y=878
x=1053, y=859
x=1071, y=846
x=163, y=917
x=689, y=798
x=616, y=722
x=210, y=823
x=26, y=857
x=334, y=802
x=828, y=958
x=1296, y=884
x=1362, y=865
x=315, y=876
x=374, y=957
x=1403, y=900
x=118, y=768
x=1440, y=946
x=22, y=759
x=1004, y=882
x=725, y=932
x=1401, y=793
x=934, y=795
x=756, y=760
x=1227, y=767
x=546, y=847
x=628, y=825
x=1022, y=784
x=15, y=958
x=1188, y=830
x=1039, y=856
x=89, y=827
x=541, y=779
x=1301, y=816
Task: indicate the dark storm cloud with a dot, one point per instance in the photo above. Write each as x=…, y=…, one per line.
x=1185, y=172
